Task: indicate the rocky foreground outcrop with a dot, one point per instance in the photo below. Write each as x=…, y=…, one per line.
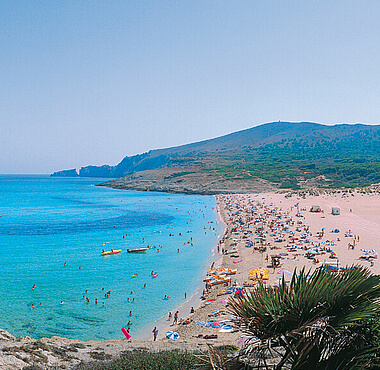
x=61, y=353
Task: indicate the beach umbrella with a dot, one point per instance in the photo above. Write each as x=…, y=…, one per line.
x=172, y=335
x=226, y=329
x=243, y=340
x=216, y=324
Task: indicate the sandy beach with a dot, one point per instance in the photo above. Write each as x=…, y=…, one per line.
x=298, y=237
x=258, y=227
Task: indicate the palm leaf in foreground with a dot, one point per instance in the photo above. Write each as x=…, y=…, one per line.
x=314, y=319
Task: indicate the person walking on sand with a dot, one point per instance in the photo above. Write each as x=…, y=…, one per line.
x=170, y=316
x=175, y=318
x=155, y=333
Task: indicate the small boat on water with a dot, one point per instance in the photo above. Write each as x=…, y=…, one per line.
x=112, y=251
x=136, y=250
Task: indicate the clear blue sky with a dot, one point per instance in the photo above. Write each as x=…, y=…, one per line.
x=89, y=82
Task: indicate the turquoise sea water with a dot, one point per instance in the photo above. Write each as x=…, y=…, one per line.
x=48, y=222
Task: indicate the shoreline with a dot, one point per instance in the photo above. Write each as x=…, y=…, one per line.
x=163, y=324
x=65, y=352
x=241, y=215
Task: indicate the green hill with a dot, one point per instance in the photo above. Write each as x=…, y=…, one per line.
x=286, y=154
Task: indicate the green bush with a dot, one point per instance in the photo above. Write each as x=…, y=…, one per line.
x=144, y=360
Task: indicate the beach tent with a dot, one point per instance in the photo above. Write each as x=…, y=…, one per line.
x=315, y=209
x=335, y=211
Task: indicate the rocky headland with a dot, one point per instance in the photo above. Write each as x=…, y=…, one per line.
x=190, y=180
x=65, y=173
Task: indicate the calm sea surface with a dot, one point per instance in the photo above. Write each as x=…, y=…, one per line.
x=48, y=222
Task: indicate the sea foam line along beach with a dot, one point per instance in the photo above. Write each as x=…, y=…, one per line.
x=360, y=218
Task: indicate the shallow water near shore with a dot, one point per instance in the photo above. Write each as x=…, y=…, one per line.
x=48, y=222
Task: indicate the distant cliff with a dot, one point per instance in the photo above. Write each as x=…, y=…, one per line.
x=65, y=173
x=96, y=171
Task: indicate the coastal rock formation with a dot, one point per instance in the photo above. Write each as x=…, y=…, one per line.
x=65, y=173
x=188, y=181
x=96, y=171
x=61, y=353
